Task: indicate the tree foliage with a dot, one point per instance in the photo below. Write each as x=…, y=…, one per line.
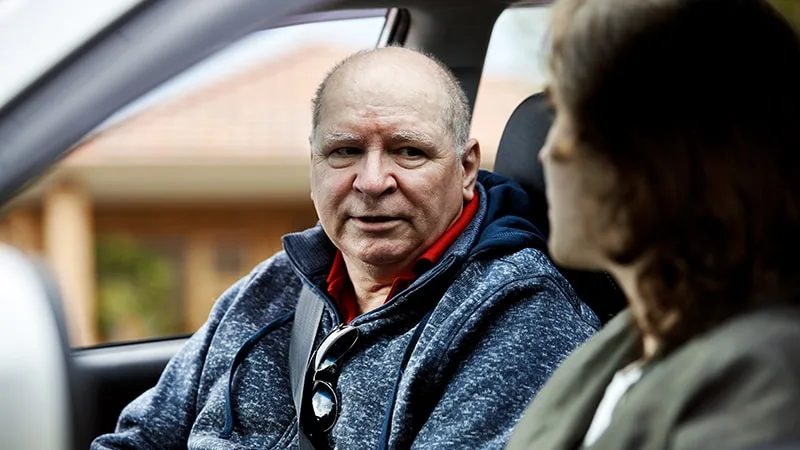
x=136, y=290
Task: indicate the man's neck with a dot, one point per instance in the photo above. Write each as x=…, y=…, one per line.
x=371, y=284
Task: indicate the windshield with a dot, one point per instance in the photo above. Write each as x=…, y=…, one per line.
x=37, y=34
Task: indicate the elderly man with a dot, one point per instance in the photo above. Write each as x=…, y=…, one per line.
x=439, y=317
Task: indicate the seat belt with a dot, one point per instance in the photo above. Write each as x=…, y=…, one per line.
x=307, y=318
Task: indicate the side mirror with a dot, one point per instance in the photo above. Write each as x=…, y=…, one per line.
x=36, y=408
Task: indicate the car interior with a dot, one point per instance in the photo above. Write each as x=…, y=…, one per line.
x=38, y=391
x=517, y=158
x=157, y=40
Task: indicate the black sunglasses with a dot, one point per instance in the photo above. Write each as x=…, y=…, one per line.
x=322, y=401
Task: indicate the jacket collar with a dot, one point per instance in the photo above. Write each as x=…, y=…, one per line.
x=312, y=252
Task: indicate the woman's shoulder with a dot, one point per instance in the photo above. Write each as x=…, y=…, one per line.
x=766, y=334
x=749, y=348
x=745, y=389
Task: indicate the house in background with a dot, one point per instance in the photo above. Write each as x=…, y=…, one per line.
x=153, y=216
x=150, y=219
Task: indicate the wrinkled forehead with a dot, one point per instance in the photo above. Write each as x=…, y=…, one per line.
x=386, y=96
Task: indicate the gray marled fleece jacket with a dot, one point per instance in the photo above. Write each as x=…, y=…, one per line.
x=493, y=338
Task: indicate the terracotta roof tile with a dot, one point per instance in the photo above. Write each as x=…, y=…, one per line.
x=261, y=116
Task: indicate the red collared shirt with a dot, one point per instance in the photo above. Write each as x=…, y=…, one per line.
x=341, y=289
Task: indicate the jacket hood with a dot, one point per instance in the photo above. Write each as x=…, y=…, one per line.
x=501, y=226
x=506, y=226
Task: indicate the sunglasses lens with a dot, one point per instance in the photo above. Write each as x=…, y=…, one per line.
x=335, y=346
x=325, y=405
x=326, y=363
x=324, y=402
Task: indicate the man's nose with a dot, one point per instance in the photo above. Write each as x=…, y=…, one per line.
x=375, y=177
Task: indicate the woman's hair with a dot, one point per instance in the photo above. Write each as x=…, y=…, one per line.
x=695, y=104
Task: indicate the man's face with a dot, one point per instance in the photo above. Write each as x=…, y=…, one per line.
x=385, y=178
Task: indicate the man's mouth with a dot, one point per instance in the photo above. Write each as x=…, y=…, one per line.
x=377, y=219
x=376, y=224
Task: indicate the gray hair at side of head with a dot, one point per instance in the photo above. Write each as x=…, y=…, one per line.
x=456, y=115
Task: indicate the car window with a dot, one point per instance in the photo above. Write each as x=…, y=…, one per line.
x=68, y=25
x=514, y=69
x=184, y=191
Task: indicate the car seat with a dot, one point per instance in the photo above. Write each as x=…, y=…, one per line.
x=38, y=404
x=517, y=158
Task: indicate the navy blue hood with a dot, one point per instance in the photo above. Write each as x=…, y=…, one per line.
x=507, y=226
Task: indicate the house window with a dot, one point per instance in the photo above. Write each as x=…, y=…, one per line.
x=514, y=69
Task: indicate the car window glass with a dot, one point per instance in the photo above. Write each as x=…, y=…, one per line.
x=514, y=69
x=68, y=25
x=184, y=191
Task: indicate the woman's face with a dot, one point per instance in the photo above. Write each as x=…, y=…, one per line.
x=576, y=180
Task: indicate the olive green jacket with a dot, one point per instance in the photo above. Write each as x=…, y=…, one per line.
x=736, y=386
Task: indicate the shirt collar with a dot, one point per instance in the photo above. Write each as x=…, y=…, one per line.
x=338, y=281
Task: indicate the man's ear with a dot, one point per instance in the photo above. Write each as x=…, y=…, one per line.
x=470, y=163
x=311, y=165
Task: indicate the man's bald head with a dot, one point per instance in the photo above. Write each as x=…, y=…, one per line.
x=402, y=70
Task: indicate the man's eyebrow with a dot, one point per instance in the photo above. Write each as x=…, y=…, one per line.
x=339, y=136
x=413, y=136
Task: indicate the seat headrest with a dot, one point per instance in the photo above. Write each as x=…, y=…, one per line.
x=523, y=137
x=518, y=158
x=518, y=153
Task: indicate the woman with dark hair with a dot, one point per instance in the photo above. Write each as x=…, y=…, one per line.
x=674, y=164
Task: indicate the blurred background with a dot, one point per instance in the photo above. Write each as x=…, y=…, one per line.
x=161, y=208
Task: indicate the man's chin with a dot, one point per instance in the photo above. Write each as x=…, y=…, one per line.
x=382, y=257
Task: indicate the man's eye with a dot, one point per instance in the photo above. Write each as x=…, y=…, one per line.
x=411, y=152
x=346, y=151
